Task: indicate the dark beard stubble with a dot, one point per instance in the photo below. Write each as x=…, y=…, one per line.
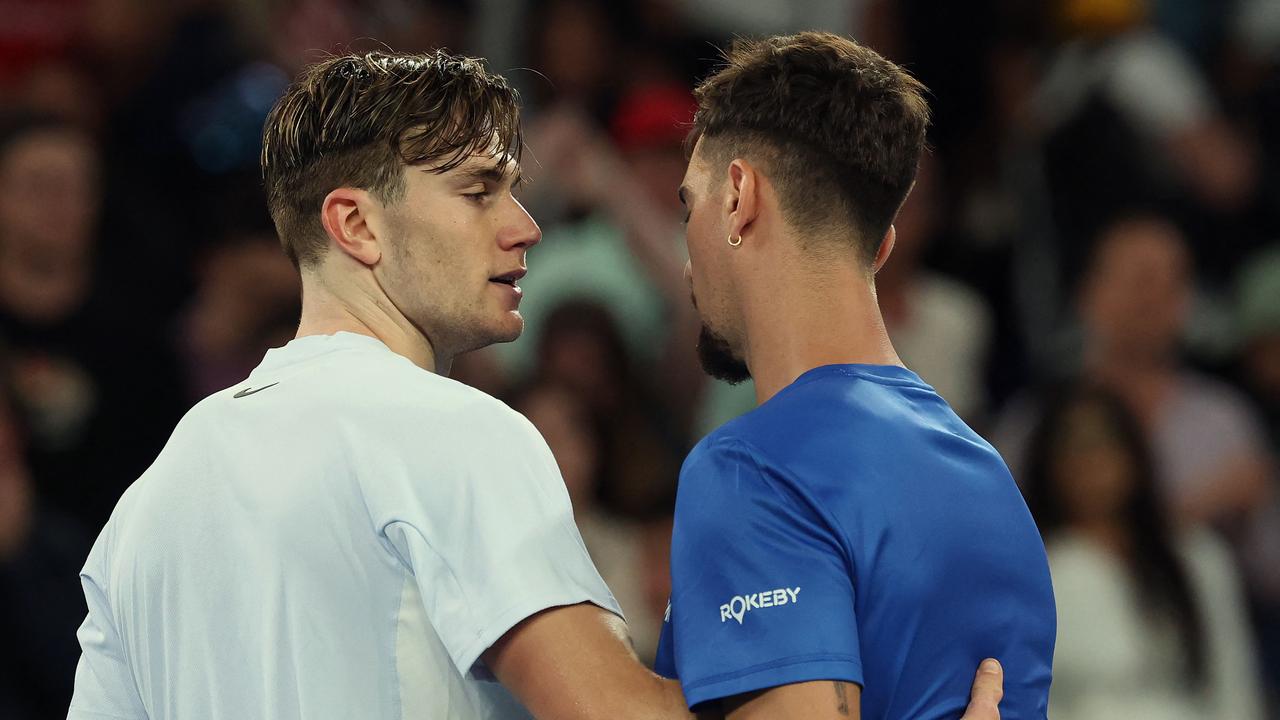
x=718, y=360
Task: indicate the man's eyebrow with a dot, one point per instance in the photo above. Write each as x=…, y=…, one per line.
x=492, y=173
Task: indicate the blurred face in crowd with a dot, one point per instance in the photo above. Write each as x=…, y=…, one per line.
x=1091, y=466
x=63, y=90
x=1136, y=293
x=721, y=342
x=575, y=49
x=48, y=193
x=581, y=349
x=453, y=251
x=48, y=208
x=246, y=300
x=581, y=360
x=564, y=422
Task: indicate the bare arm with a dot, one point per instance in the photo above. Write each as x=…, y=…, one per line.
x=818, y=700
x=576, y=663
x=828, y=700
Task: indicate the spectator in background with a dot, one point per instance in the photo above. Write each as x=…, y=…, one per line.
x=574, y=45
x=185, y=100
x=618, y=545
x=580, y=348
x=619, y=452
x=1258, y=314
x=247, y=300
x=1258, y=311
x=1133, y=307
x=1128, y=118
x=940, y=328
x=1212, y=463
x=62, y=89
x=40, y=605
x=95, y=388
x=1249, y=80
x=1151, y=621
x=292, y=33
x=1134, y=304
x=626, y=253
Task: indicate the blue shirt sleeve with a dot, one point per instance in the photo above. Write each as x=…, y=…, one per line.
x=762, y=594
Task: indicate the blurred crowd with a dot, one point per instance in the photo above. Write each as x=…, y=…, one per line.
x=1088, y=270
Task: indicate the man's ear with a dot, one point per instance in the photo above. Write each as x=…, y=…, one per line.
x=886, y=248
x=346, y=214
x=743, y=200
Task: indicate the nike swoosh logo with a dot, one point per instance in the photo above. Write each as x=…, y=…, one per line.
x=249, y=391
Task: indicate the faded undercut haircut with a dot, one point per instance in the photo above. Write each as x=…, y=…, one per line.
x=838, y=129
x=358, y=120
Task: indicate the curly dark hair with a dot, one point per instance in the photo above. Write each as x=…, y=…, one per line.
x=357, y=120
x=838, y=128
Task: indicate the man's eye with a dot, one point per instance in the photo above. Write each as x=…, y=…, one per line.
x=687, y=215
x=477, y=196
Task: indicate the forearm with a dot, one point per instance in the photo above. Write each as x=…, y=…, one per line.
x=635, y=694
x=833, y=700
x=575, y=663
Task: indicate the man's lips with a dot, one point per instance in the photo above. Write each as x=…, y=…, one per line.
x=509, y=278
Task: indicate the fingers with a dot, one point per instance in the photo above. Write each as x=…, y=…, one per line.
x=988, y=689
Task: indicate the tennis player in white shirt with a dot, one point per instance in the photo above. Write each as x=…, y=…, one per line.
x=348, y=533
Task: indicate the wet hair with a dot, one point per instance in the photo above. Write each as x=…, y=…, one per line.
x=357, y=120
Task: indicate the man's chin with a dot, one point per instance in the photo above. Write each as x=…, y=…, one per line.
x=718, y=359
x=504, y=330
x=510, y=329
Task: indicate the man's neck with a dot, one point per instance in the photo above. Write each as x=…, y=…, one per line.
x=799, y=325
x=325, y=312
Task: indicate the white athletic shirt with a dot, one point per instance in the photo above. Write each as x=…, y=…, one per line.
x=339, y=536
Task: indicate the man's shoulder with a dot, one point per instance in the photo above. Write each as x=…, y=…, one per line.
x=387, y=386
x=453, y=414
x=377, y=401
x=736, y=467
x=734, y=443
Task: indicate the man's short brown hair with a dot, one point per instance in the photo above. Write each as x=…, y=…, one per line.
x=838, y=128
x=357, y=120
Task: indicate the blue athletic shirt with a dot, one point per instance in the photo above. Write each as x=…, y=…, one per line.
x=854, y=528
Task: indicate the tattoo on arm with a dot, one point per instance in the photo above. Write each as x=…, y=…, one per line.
x=842, y=700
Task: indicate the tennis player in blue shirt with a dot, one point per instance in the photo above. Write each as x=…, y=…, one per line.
x=842, y=548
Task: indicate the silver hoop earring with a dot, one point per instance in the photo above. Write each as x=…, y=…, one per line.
x=735, y=244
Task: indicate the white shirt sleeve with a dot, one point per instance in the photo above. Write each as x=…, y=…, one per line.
x=104, y=687
x=486, y=528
